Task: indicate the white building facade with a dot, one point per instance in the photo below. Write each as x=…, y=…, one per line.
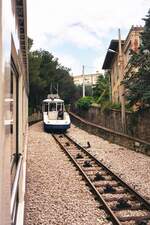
x=89, y=79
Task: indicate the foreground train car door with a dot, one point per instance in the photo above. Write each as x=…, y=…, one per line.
x=13, y=110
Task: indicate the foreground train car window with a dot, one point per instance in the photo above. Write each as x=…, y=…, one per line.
x=14, y=133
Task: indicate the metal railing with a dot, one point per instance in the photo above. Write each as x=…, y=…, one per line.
x=13, y=204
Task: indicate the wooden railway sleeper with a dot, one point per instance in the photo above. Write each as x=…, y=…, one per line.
x=132, y=208
x=138, y=219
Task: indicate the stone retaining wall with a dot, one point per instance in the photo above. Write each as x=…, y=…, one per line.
x=138, y=125
x=112, y=136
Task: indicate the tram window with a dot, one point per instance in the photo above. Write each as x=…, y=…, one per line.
x=52, y=107
x=46, y=107
x=59, y=106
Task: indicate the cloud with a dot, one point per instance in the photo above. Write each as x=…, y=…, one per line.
x=82, y=23
x=92, y=19
x=70, y=62
x=98, y=62
x=80, y=37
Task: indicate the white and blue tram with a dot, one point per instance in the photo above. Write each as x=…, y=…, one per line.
x=55, y=117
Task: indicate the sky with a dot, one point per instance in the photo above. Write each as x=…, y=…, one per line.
x=78, y=32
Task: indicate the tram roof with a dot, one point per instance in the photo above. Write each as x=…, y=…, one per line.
x=53, y=100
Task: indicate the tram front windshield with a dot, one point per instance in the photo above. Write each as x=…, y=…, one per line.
x=60, y=107
x=52, y=107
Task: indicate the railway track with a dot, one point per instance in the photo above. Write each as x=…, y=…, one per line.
x=123, y=205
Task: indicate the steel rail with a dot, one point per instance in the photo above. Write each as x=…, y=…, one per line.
x=130, y=189
x=107, y=208
x=115, y=219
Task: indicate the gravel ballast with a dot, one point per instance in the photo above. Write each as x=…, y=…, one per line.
x=55, y=192
x=131, y=166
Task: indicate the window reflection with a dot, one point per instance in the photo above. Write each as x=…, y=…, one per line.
x=11, y=120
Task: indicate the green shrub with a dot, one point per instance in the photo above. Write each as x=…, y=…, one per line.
x=116, y=106
x=128, y=107
x=84, y=103
x=107, y=105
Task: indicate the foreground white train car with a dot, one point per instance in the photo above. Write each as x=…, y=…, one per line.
x=13, y=110
x=55, y=118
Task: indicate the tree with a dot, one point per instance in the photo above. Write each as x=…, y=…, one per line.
x=84, y=103
x=101, y=90
x=44, y=70
x=137, y=79
x=30, y=43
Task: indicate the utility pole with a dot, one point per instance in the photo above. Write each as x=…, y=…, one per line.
x=92, y=84
x=83, y=87
x=121, y=76
x=110, y=87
